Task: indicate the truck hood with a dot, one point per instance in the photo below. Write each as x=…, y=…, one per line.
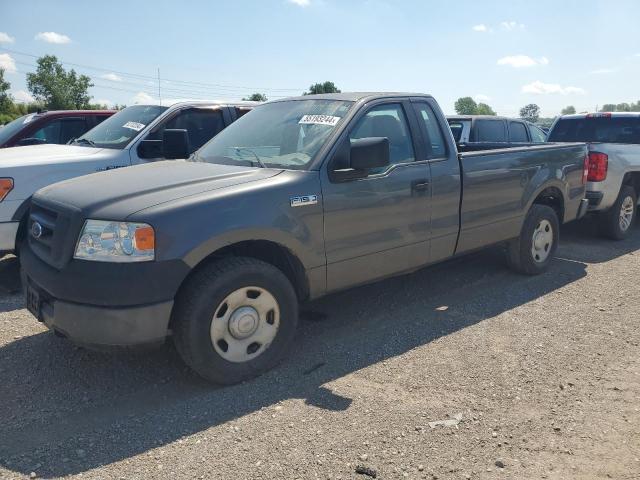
x=48, y=154
x=116, y=194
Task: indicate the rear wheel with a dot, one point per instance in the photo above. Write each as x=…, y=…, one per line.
x=616, y=223
x=532, y=251
x=235, y=319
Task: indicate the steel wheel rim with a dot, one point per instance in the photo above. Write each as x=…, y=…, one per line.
x=626, y=213
x=542, y=241
x=245, y=324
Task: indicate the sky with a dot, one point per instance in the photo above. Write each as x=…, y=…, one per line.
x=505, y=53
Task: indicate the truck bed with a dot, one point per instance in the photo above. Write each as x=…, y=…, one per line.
x=500, y=184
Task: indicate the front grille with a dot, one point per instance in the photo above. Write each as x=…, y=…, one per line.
x=50, y=234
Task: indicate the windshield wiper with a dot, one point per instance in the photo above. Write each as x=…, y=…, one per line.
x=260, y=162
x=84, y=140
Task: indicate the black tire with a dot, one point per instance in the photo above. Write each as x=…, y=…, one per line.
x=198, y=301
x=610, y=221
x=519, y=251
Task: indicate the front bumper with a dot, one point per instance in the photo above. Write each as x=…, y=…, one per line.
x=97, y=327
x=8, y=233
x=100, y=304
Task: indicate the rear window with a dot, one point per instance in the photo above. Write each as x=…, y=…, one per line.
x=597, y=129
x=490, y=131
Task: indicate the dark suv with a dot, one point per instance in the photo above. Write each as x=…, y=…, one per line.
x=50, y=127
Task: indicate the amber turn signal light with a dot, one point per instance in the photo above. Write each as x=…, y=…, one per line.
x=145, y=238
x=6, y=185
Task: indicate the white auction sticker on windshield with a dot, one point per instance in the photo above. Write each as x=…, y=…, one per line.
x=134, y=126
x=319, y=120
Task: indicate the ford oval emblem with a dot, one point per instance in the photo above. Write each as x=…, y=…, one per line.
x=36, y=230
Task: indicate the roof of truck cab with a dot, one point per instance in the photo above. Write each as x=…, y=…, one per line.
x=601, y=115
x=483, y=117
x=353, y=96
x=219, y=103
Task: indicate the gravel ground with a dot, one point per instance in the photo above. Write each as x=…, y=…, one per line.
x=538, y=378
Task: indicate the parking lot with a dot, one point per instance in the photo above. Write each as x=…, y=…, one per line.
x=542, y=373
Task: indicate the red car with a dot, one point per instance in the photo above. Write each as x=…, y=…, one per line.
x=50, y=127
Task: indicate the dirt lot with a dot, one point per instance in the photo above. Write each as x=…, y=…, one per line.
x=544, y=371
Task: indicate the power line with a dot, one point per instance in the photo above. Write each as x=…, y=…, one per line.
x=148, y=77
x=147, y=86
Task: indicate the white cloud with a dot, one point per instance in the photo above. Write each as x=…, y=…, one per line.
x=480, y=28
x=22, y=96
x=540, y=88
x=52, y=37
x=111, y=76
x=520, y=61
x=512, y=25
x=5, y=38
x=481, y=98
x=142, y=97
x=602, y=71
x=7, y=63
x=301, y=3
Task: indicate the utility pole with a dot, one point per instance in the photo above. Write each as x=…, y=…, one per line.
x=159, y=94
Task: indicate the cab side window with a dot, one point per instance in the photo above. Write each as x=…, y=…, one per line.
x=201, y=124
x=435, y=141
x=518, y=132
x=388, y=121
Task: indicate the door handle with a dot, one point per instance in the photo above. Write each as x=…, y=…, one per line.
x=421, y=185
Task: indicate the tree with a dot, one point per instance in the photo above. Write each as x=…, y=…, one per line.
x=318, y=88
x=466, y=106
x=530, y=112
x=623, y=107
x=5, y=97
x=484, y=109
x=57, y=88
x=570, y=110
x=608, y=107
x=256, y=97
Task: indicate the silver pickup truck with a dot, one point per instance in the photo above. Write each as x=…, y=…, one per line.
x=614, y=164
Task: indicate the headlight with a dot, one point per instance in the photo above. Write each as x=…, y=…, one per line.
x=121, y=242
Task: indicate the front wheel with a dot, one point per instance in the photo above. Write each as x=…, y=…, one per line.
x=616, y=223
x=235, y=319
x=532, y=251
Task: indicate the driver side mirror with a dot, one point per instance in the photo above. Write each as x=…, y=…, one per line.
x=175, y=144
x=354, y=158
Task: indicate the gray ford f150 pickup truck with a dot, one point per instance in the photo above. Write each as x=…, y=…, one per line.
x=298, y=198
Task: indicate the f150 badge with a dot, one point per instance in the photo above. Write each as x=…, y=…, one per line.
x=303, y=200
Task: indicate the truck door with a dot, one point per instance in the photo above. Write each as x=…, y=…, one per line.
x=445, y=178
x=379, y=225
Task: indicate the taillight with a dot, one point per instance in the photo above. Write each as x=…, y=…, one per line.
x=598, y=165
x=585, y=169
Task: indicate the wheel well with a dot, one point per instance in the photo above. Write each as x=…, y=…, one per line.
x=632, y=179
x=269, y=252
x=552, y=197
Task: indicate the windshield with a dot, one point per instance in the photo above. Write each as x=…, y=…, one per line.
x=281, y=135
x=597, y=129
x=118, y=130
x=10, y=129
